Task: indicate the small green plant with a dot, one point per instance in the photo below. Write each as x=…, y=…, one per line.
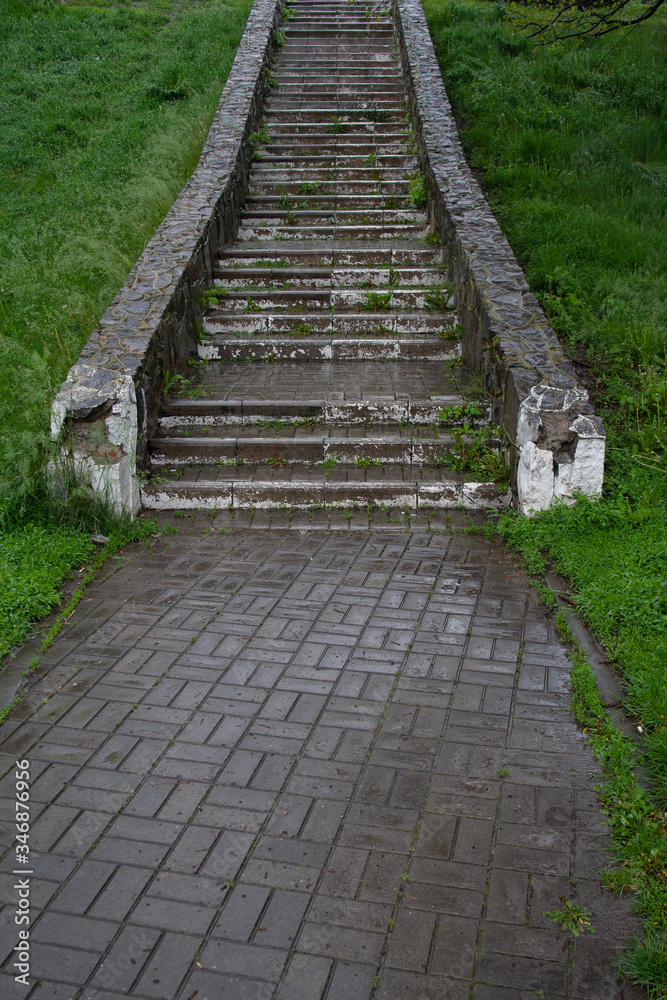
x=302, y=330
x=494, y=465
x=456, y=413
x=337, y=126
x=251, y=305
x=376, y=115
x=471, y=451
x=377, y=301
x=417, y=194
x=258, y=140
x=309, y=187
x=172, y=381
x=279, y=38
x=211, y=297
x=575, y=919
x=503, y=772
x=453, y=332
x=285, y=201
x=276, y=462
x=328, y=464
x=437, y=297
x=365, y=462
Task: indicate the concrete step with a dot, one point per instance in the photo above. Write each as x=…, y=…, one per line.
x=301, y=349
x=329, y=324
x=295, y=184
x=264, y=170
x=321, y=133
x=184, y=413
x=272, y=216
x=270, y=493
x=389, y=299
x=341, y=253
x=307, y=445
x=334, y=278
x=339, y=143
x=385, y=390
x=337, y=159
x=325, y=114
x=363, y=204
x=376, y=449
x=324, y=232
x=289, y=87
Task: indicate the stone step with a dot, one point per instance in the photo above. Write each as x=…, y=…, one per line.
x=187, y=413
x=377, y=388
x=389, y=300
x=270, y=322
x=354, y=131
x=265, y=170
x=258, y=232
x=302, y=494
x=359, y=105
x=301, y=349
x=363, y=80
x=325, y=114
x=341, y=31
x=338, y=140
x=268, y=215
x=290, y=86
x=331, y=278
x=345, y=254
x=310, y=445
x=337, y=158
x=377, y=131
x=324, y=202
x=293, y=183
x=335, y=64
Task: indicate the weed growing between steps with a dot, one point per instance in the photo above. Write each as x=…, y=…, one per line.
x=570, y=145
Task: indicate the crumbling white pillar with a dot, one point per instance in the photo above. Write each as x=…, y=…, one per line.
x=561, y=447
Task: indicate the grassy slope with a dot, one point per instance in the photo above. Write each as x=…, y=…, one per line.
x=103, y=112
x=104, y=108
x=571, y=145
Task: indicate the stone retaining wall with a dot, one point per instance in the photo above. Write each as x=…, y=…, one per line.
x=107, y=407
x=555, y=440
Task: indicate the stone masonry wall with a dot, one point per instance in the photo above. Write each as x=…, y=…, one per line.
x=556, y=442
x=107, y=407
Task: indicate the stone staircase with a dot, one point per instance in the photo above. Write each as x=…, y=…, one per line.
x=329, y=363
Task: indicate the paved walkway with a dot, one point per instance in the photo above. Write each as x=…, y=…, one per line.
x=308, y=765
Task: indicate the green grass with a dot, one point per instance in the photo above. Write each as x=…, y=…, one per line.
x=104, y=108
x=33, y=561
x=570, y=145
